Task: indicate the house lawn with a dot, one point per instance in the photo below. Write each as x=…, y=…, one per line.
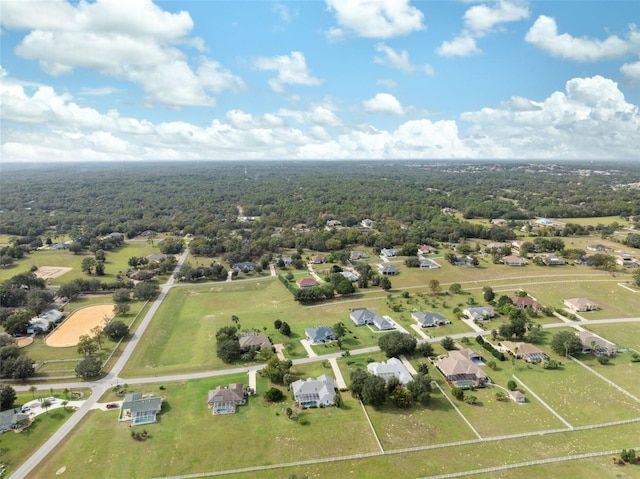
x=259, y=433
x=620, y=370
x=624, y=335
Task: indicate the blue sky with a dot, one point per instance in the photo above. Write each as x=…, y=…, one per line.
x=124, y=80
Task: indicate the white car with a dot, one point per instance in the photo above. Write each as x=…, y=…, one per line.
x=25, y=409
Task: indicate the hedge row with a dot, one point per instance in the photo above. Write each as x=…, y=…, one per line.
x=489, y=347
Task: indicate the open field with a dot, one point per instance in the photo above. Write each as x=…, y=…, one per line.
x=620, y=370
x=81, y=322
x=623, y=335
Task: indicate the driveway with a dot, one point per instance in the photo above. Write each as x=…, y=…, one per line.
x=307, y=346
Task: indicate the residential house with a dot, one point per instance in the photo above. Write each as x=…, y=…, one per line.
x=627, y=261
x=594, y=344
x=244, y=267
x=517, y=244
x=320, y=334
x=429, y=319
x=59, y=246
x=580, y=305
x=428, y=263
x=140, y=409
x=11, y=419
x=512, y=260
x=254, y=340
x=389, y=252
x=286, y=260
x=479, y=313
x=314, y=392
x=517, y=397
x=156, y=258
x=499, y=222
x=362, y=316
x=318, y=259
x=42, y=323
x=367, y=223
x=461, y=371
x=306, y=283
x=393, y=368
x=224, y=400
x=387, y=269
x=600, y=248
x=524, y=302
x=357, y=255
x=333, y=223
x=427, y=249
x=525, y=351
x=553, y=261
x=350, y=275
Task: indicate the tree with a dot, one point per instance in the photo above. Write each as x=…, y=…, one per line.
x=385, y=283
x=455, y=288
x=121, y=296
x=22, y=368
x=121, y=308
x=276, y=369
x=99, y=268
x=434, y=286
x=7, y=397
x=98, y=335
x=32, y=390
x=38, y=299
x=46, y=404
x=289, y=412
x=488, y=294
x=401, y=397
x=425, y=349
x=87, y=265
x=566, y=343
x=395, y=343
x=86, y=345
x=277, y=323
x=89, y=367
x=17, y=323
x=470, y=399
x=374, y=391
x=285, y=329
x=274, y=395
x=116, y=330
x=145, y=291
x=511, y=385
x=457, y=393
x=228, y=350
x=420, y=388
x=339, y=329
x=448, y=343
x=101, y=255
x=500, y=395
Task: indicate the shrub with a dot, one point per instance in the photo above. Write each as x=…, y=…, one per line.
x=511, y=385
x=457, y=393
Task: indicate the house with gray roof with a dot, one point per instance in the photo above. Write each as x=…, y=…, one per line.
x=479, y=313
x=389, y=252
x=254, y=340
x=42, y=323
x=387, y=269
x=140, y=409
x=244, y=267
x=393, y=368
x=594, y=344
x=225, y=399
x=11, y=419
x=362, y=316
x=429, y=319
x=428, y=263
x=320, y=334
x=314, y=392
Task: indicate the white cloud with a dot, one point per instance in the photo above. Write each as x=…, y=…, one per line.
x=377, y=18
x=141, y=46
x=283, y=11
x=480, y=20
x=384, y=103
x=98, y=91
x=461, y=46
x=388, y=82
x=544, y=35
x=631, y=72
x=292, y=70
x=399, y=60
x=591, y=119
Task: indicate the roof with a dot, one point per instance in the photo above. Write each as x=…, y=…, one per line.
x=249, y=340
x=10, y=417
x=587, y=338
x=320, y=334
x=525, y=302
x=232, y=393
x=580, y=303
x=387, y=269
x=362, y=316
x=479, y=312
x=306, y=282
x=458, y=364
x=136, y=402
x=322, y=389
x=525, y=350
x=393, y=368
x=511, y=259
x=429, y=318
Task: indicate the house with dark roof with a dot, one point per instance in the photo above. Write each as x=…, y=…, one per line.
x=254, y=340
x=461, y=371
x=392, y=368
x=140, y=409
x=306, y=283
x=524, y=302
x=525, y=351
x=225, y=399
x=479, y=313
x=387, y=269
x=244, y=267
x=429, y=319
x=314, y=392
x=11, y=419
x=600, y=248
x=320, y=334
x=428, y=263
x=362, y=316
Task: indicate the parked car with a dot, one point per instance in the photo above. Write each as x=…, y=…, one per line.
x=113, y=405
x=25, y=409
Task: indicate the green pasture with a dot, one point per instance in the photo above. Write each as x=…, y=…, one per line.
x=624, y=335
x=259, y=433
x=620, y=370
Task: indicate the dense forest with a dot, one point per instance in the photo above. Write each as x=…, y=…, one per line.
x=292, y=201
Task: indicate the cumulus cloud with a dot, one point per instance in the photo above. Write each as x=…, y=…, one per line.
x=292, y=70
x=480, y=20
x=376, y=18
x=399, y=60
x=590, y=119
x=388, y=82
x=631, y=72
x=384, y=103
x=142, y=46
x=544, y=35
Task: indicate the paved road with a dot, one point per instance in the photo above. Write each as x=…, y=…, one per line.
x=111, y=379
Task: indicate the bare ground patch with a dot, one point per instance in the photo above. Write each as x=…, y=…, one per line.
x=51, y=272
x=79, y=323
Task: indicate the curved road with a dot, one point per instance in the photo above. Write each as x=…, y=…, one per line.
x=111, y=379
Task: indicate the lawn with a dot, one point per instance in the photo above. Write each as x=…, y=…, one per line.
x=620, y=370
x=259, y=433
x=625, y=335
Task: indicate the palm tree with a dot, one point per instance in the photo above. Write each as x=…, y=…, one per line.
x=46, y=404
x=33, y=390
x=64, y=404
